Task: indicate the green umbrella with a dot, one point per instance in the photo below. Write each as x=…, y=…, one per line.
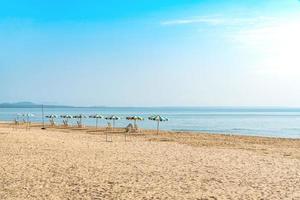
x=113, y=118
x=135, y=119
x=159, y=119
x=97, y=117
x=28, y=115
x=80, y=117
x=18, y=116
x=67, y=117
x=51, y=116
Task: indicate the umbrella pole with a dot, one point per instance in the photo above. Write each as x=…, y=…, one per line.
x=96, y=123
x=43, y=116
x=157, y=127
x=27, y=122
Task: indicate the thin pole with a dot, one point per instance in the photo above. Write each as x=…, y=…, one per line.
x=96, y=123
x=27, y=121
x=157, y=127
x=43, y=116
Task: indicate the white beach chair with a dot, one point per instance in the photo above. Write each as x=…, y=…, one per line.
x=136, y=128
x=109, y=126
x=129, y=128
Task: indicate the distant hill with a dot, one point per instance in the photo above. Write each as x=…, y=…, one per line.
x=29, y=105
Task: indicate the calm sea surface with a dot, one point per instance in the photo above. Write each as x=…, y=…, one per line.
x=259, y=122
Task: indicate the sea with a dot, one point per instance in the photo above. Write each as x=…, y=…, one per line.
x=268, y=122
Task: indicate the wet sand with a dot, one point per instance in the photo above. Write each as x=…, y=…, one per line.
x=72, y=164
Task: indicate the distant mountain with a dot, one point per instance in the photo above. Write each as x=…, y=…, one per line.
x=26, y=104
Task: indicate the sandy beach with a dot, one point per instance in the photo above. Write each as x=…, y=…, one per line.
x=72, y=164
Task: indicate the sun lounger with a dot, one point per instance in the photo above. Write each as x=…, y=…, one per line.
x=129, y=128
x=108, y=126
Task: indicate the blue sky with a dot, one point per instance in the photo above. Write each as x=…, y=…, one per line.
x=150, y=52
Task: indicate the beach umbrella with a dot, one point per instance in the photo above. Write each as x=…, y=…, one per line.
x=51, y=116
x=28, y=115
x=97, y=117
x=19, y=115
x=113, y=118
x=67, y=117
x=80, y=117
x=159, y=119
x=135, y=118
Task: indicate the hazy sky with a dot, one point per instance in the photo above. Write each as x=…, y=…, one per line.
x=151, y=52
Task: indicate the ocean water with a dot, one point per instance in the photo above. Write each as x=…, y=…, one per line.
x=270, y=122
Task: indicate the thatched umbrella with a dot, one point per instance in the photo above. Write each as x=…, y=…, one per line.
x=97, y=117
x=159, y=119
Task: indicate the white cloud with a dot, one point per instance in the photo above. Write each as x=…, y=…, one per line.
x=219, y=20
x=198, y=20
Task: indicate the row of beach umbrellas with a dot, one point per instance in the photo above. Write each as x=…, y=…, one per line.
x=25, y=115
x=134, y=118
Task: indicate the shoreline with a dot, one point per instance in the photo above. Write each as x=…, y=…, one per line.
x=196, y=139
x=47, y=125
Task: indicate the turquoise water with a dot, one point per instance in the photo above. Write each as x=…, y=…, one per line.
x=252, y=121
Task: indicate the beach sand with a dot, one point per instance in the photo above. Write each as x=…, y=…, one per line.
x=70, y=164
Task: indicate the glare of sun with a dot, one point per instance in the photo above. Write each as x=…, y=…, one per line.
x=279, y=45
